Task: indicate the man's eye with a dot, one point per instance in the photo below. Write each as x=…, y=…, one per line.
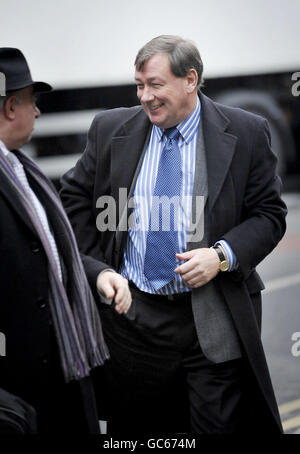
x=140, y=86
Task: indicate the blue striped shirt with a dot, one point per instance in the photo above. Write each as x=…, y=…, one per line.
x=134, y=254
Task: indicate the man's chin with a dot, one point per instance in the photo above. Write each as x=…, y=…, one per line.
x=155, y=117
x=160, y=122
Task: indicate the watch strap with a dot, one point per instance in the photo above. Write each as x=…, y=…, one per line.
x=224, y=264
x=220, y=253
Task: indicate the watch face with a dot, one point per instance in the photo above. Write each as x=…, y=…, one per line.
x=224, y=265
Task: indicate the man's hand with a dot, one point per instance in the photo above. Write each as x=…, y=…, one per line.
x=113, y=285
x=201, y=266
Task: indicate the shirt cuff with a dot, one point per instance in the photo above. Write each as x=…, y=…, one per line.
x=231, y=257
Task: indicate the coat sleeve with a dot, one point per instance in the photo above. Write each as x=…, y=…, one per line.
x=263, y=214
x=77, y=195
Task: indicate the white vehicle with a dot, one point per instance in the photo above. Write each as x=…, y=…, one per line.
x=86, y=51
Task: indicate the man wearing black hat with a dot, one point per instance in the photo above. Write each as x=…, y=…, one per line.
x=48, y=317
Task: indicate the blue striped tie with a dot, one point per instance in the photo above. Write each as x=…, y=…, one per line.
x=162, y=242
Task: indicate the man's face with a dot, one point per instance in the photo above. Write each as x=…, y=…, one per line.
x=25, y=114
x=164, y=97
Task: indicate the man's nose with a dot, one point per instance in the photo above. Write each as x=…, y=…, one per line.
x=37, y=112
x=147, y=95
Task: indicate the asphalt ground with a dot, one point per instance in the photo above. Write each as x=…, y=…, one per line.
x=281, y=317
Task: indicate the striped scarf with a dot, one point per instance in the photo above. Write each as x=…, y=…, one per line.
x=75, y=318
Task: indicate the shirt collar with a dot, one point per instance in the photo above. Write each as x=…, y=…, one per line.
x=3, y=148
x=187, y=128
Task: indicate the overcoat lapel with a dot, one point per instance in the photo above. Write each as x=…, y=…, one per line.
x=219, y=149
x=126, y=150
x=219, y=146
x=127, y=147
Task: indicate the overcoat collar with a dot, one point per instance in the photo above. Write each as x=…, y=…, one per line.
x=10, y=194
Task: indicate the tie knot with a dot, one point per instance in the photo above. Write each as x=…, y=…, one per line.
x=172, y=133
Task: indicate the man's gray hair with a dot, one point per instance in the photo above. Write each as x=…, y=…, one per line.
x=183, y=55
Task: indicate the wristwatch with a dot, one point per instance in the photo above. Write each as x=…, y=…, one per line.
x=224, y=264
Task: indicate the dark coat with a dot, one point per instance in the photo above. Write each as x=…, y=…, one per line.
x=31, y=367
x=244, y=207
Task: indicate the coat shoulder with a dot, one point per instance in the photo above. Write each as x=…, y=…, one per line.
x=238, y=116
x=118, y=116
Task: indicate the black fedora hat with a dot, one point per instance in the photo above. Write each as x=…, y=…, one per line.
x=14, y=66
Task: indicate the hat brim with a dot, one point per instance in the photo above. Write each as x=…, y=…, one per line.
x=38, y=87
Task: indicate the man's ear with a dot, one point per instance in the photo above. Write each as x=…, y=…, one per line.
x=9, y=108
x=191, y=80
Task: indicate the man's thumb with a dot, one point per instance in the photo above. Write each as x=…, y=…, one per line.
x=107, y=289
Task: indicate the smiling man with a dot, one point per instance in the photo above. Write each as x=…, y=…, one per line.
x=187, y=355
x=166, y=98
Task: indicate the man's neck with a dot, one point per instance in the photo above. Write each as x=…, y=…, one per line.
x=191, y=107
x=5, y=140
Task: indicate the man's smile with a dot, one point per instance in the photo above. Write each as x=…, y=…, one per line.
x=155, y=107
